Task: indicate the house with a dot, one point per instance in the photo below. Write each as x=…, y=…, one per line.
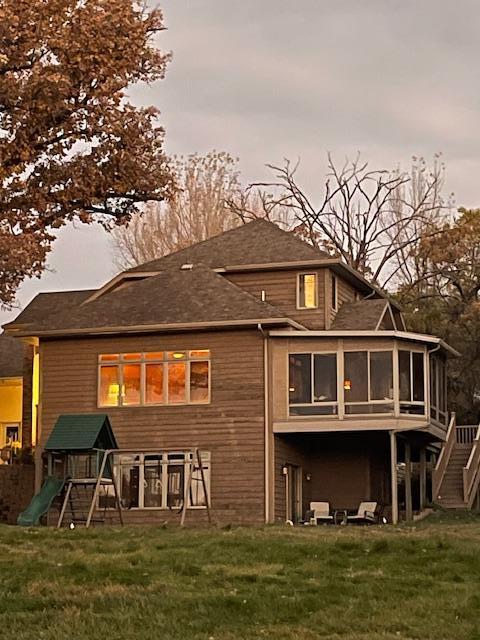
x=11, y=382
x=293, y=375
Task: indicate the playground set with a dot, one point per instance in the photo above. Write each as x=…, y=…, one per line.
x=80, y=472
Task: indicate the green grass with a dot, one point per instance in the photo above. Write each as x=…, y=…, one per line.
x=226, y=584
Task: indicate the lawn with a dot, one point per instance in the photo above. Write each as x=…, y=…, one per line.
x=226, y=584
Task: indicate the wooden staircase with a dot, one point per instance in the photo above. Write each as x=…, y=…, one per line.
x=456, y=477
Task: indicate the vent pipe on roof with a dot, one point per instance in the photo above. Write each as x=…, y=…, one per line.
x=263, y=295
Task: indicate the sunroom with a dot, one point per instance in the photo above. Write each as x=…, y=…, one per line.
x=347, y=381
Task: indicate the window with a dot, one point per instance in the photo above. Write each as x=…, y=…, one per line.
x=159, y=480
x=368, y=383
x=313, y=383
x=109, y=393
x=412, y=382
x=171, y=377
x=307, y=297
x=438, y=395
x=12, y=433
x=334, y=293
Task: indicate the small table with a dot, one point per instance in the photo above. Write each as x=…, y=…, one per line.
x=340, y=516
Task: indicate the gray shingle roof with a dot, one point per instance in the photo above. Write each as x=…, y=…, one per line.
x=363, y=315
x=176, y=297
x=11, y=357
x=258, y=242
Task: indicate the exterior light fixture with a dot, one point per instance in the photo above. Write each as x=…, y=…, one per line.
x=285, y=470
x=178, y=355
x=347, y=385
x=308, y=477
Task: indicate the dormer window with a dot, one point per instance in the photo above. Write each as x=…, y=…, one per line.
x=307, y=291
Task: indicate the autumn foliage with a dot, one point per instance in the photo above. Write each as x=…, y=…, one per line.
x=71, y=144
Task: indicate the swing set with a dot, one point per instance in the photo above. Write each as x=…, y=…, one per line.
x=81, y=460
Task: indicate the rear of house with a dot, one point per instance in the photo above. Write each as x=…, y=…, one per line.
x=293, y=376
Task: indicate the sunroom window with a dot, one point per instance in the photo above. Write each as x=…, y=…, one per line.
x=368, y=382
x=438, y=395
x=171, y=377
x=313, y=384
x=412, y=382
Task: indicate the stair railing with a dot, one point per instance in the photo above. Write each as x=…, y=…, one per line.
x=471, y=472
x=438, y=473
x=466, y=433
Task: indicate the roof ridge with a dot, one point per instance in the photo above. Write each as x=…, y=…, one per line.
x=177, y=251
x=218, y=235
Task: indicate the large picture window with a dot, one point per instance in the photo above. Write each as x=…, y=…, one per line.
x=313, y=383
x=412, y=382
x=170, y=377
x=159, y=480
x=368, y=383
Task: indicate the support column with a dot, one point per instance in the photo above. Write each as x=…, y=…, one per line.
x=423, y=478
x=393, y=475
x=408, y=483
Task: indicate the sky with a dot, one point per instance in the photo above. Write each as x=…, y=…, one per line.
x=272, y=79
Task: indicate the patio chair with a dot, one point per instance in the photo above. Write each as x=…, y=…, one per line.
x=367, y=513
x=321, y=512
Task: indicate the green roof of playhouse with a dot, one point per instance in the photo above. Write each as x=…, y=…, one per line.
x=81, y=432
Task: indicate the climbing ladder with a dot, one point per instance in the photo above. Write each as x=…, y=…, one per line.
x=456, y=477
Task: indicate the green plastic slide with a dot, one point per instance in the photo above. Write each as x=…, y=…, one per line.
x=41, y=503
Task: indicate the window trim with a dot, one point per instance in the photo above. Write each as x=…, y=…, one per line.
x=143, y=361
x=307, y=273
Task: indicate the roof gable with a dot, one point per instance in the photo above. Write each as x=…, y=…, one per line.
x=81, y=432
x=363, y=315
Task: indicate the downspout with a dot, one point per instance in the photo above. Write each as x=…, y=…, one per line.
x=266, y=423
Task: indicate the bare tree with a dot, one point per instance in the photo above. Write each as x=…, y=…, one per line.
x=370, y=218
x=196, y=213
x=423, y=194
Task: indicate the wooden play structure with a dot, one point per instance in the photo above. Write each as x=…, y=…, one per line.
x=81, y=452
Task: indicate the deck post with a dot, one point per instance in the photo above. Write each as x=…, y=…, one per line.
x=408, y=483
x=393, y=469
x=423, y=478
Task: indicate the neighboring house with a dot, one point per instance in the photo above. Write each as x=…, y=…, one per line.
x=293, y=375
x=11, y=379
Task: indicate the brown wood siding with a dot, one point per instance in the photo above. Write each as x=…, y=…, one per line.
x=345, y=293
x=281, y=291
x=231, y=427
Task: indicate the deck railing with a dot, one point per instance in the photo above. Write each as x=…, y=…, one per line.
x=471, y=472
x=438, y=473
x=466, y=433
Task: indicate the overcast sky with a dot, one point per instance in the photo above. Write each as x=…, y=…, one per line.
x=268, y=79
